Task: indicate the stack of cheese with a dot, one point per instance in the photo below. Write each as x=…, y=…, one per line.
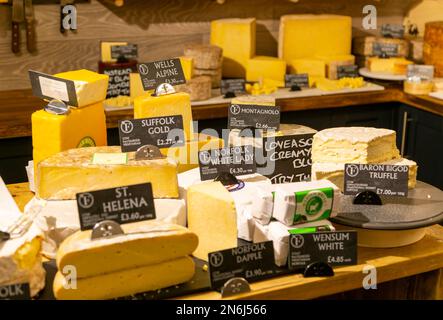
x=306, y=44
x=148, y=256
x=433, y=46
x=148, y=106
x=84, y=126
x=334, y=147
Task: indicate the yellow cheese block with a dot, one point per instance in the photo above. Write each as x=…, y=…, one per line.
x=264, y=67
x=90, y=86
x=308, y=35
x=267, y=87
x=333, y=62
x=237, y=39
x=82, y=127
x=144, y=243
x=313, y=67
x=105, y=48
x=148, y=106
x=212, y=217
x=188, y=67
x=187, y=155
x=127, y=282
x=395, y=65
x=64, y=174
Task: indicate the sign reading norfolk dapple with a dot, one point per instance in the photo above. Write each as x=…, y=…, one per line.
x=155, y=73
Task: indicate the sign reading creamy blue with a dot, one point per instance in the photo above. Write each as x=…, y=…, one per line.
x=124, y=204
x=162, y=132
x=165, y=71
x=252, y=261
x=383, y=179
x=333, y=247
x=19, y=291
x=255, y=116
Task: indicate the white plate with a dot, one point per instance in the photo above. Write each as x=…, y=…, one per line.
x=381, y=76
x=438, y=95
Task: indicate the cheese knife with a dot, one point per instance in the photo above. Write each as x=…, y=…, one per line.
x=17, y=18
x=30, y=30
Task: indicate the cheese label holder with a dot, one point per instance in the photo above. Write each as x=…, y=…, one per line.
x=420, y=71
x=252, y=262
x=385, y=49
x=382, y=179
x=124, y=53
x=106, y=229
x=350, y=71
x=229, y=87
x=235, y=286
x=18, y=291
x=57, y=107
x=336, y=248
x=237, y=161
x=301, y=80
x=162, y=132
x=49, y=87
x=242, y=116
x=148, y=152
x=124, y=204
x=155, y=73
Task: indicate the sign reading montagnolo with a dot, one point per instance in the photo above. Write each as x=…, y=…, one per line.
x=383, y=179
x=242, y=116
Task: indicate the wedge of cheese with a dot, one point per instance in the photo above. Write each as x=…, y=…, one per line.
x=333, y=62
x=397, y=66
x=307, y=35
x=82, y=127
x=354, y=145
x=127, y=282
x=136, y=86
x=61, y=176
x=91, y=87
x=144, y=243
x=148, y=106
x=264, y=67
x=237, y=39
x=187, y=66
x=105, y=48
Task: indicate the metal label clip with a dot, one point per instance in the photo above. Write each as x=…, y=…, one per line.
x=235, y=286
x=57, y=107
x=163, y=89
x=106, y=229
x=148, y=152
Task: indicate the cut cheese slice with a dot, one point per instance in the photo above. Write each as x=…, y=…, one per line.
x=91, y=87
x=126, y=282
x=144, y=243
x=148, y=106
x=105, y=48
x=264, y=67
x=237, y=39
x=333, y=62
x=82, y=127
x=307, y=35
x=61, y=176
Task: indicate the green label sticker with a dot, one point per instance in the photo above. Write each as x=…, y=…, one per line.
x=313, y=205
x=110, y=158
x=86, y=142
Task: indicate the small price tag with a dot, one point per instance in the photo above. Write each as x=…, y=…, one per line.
x=301, y=80
x=162, y=132
x=164, y=71
x=127, y=52
x=337, y=248
x=232, y=85
x=122, y=204
x=261, y=117
x=383, y=179
x=350, y=71
x=235, y=160
x=388, y=49
x=252, y=262
x=49, y=87
x=420, y=71
x=110, y=158
x=20, y=291
x=118, y=84
x=393, y=31
x=288, y=158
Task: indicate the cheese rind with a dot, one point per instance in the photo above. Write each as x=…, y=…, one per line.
x=91, y=87
x=333, y=62
x=237, y=39
x=61, y=176
x=148, y=106
x=204, y=56
x=198, y=88
x=127, y=282
x=264, y=67
x=354, y=145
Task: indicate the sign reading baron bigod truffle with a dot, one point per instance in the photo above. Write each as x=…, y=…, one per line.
x=164, y=71
x=162, y=132
x=232, y=85
x=256, y=116
x=234, y=160
x=291, y=156
x=124, y=204
x=19, y=291
x=252, y=262
x=333, y=247
x=383, y=179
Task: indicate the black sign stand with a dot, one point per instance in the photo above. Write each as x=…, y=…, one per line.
x=367, y=197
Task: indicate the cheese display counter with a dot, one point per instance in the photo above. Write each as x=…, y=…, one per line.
x=226, y=171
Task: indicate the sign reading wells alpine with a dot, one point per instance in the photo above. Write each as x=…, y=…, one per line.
x=261, y=117
x=162, y=132
x=122, y=204
x=165, y=71
x=234, y=160
x=383, y=179
x=333, y=247
x=291, y=156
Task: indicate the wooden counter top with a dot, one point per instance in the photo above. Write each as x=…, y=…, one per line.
x=422, y=260
x=17, y=106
